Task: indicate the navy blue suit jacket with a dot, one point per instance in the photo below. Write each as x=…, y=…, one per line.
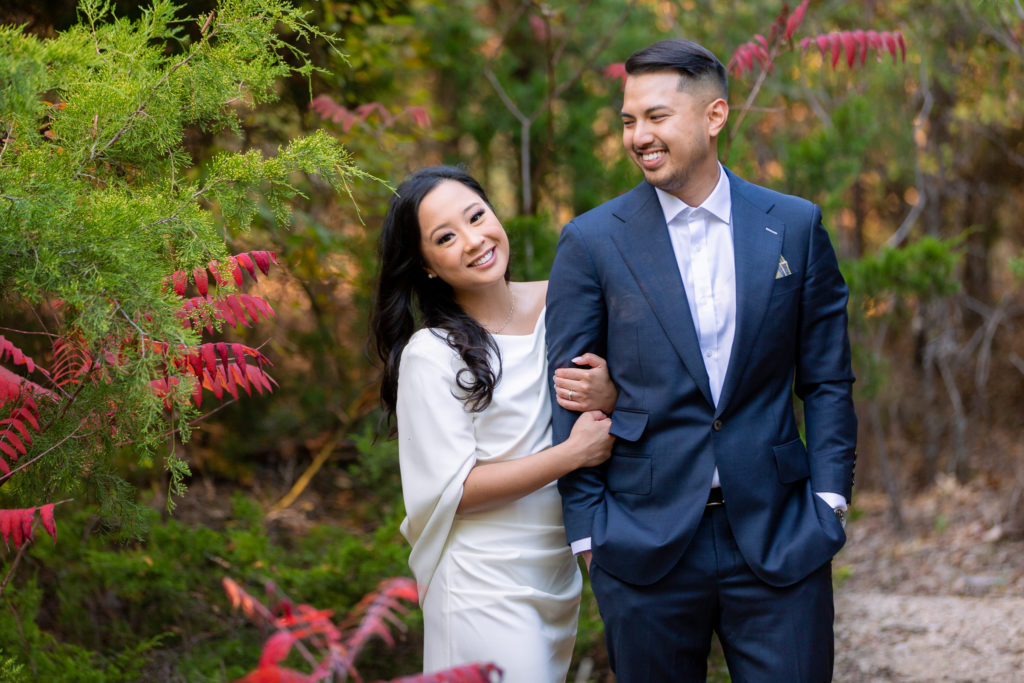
x=615, y=290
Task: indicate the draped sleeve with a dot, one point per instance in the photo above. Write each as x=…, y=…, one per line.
x=436, y=449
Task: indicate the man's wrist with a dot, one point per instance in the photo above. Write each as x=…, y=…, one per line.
x=834, y=500
x=580, y=545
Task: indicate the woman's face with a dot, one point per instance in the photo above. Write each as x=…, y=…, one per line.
x=461, y=239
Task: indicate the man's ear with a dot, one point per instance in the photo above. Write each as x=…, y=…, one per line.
x=718, y=114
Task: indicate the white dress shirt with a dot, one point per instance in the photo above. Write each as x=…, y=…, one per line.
x=702, y=239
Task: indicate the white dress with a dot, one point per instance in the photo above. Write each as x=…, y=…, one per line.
x=496, y=586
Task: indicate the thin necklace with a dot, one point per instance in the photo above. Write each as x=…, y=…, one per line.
x=511, y=310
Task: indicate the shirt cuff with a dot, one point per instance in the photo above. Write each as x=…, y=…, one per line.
x=580, y=546
x=834, y=500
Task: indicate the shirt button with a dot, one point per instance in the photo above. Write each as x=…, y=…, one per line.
x=717, y=425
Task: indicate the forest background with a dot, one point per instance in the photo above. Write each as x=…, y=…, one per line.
x=916, y=158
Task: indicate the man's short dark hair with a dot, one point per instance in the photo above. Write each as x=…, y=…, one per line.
x=693, y=62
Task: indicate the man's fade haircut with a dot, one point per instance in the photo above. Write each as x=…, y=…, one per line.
x=694, y=63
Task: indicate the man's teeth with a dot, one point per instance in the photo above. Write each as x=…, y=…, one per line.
x=651, y=156
x=483, y=259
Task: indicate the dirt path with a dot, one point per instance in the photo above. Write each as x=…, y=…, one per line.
x=881, y=637
x=942, y=602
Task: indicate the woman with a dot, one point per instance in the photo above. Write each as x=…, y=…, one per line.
x=469, y=390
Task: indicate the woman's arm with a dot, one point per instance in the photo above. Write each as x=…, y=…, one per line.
x=490, y=485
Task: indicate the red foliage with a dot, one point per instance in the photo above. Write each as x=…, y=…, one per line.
x=338, y=647
x=856, y=44
x=329, y=110
x=217, y=367
x=760, y=52
x=616, y=70
x=9, y=350
x=477, y=672
x=15, y=436
x=16, y=525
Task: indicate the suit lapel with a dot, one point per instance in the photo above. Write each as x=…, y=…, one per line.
x=646, y=248
x=757, y=243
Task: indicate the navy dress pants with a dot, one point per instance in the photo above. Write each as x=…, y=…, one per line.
x=662, y=632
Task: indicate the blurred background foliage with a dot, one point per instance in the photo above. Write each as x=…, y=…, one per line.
x=917, y=164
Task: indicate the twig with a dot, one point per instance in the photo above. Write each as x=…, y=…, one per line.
x=761, y=77
x=7, y=139
x=29, y=462
x=191, y=423
x=915, y=211
x=141, y=109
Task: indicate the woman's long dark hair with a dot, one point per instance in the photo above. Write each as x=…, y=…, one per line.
x=402, y=283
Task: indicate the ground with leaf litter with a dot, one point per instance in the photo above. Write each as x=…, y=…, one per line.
x=942, y=601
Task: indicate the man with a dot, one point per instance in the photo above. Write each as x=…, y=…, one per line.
x=713, y=300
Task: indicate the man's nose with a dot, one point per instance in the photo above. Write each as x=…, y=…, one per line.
x=642, y=135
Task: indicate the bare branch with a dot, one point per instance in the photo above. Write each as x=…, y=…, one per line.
x=915, y=211
x=48, y=450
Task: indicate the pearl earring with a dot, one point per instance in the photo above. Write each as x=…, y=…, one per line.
x=431, y=276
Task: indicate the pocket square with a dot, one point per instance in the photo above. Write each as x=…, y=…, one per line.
x=783, y=270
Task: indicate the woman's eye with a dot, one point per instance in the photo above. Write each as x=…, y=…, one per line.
x=447, y=237
x=476, y=216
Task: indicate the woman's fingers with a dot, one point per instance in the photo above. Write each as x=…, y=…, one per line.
x=591, y=359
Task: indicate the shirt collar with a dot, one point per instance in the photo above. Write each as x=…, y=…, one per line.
x=718, y=203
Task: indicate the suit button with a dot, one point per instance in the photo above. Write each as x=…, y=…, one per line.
x=717, y=425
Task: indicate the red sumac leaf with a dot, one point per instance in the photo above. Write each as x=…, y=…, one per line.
x=6, y=448
x=236, y=272
x=795, y=19
x=180, y=280
x=890, y=43
x=420, y=116
x=861, y=38
x=214, y=267
x=615, y=71
x=16, y=525
x=8, y=349
x=46, y=516
x=245, y=261
x=850, y=45
x=238, y=378
x=209, y=357
x=224, y=352
x=202, y=282
x=16, y=424
x=823, y=42
x=13, y=438
x=225, y=312
x=836, y=45
x=262, y=260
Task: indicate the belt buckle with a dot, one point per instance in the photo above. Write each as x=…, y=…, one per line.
x=715, y=498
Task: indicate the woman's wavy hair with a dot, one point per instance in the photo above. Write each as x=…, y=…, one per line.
x=403, y=290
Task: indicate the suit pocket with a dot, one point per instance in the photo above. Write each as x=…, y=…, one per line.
x=627, y=424
x=791, y=459
x=629, y=474
x=786, y=285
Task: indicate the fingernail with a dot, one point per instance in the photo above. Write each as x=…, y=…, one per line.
x=577, y=359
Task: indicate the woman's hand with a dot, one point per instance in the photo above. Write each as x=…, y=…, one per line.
x=586, y=388
x=589, y=441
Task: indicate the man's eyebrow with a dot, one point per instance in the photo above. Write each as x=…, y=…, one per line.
x=648, y=111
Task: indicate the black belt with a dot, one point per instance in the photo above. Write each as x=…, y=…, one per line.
x=715, y=497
